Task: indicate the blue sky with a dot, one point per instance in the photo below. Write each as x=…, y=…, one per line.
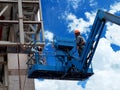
x=61, y=18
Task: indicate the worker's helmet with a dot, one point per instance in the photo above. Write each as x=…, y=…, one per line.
x=76, y=31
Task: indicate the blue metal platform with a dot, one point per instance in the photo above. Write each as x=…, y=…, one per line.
x=61, y=66
x=53, y=72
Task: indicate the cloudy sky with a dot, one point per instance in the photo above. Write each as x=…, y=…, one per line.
x=67, y=15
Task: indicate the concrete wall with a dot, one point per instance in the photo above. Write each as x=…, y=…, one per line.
x=3, y=88
x=17, y=73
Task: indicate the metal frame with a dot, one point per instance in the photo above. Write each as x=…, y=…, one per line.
x=23, y=1
x=27, y=26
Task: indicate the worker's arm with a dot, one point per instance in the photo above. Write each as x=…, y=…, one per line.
x=83, y=41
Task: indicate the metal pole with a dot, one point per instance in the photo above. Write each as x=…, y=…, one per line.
x=21, y=21
x=4, y=9
x=16, y=22
x=19, y=69
x=42, y=29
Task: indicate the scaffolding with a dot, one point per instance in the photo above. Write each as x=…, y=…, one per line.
x=20, y=24
x=22, y=20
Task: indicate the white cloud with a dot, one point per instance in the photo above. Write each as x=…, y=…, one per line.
x=93, y=3
x=80, y=23
x=83, y=25
x=49, y=35
x=113, y=30
x=105, y=58
x=57, y=85
x=113, y=33
x=104, y=80
x=115, y=8
x=74, y=3
x=106, y=67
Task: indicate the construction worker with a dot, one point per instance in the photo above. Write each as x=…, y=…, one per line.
x=37, y=52
x=41, y=58
x=80, y=41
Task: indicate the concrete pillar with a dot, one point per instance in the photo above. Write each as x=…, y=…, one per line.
x=17, y=73
x=3, y=85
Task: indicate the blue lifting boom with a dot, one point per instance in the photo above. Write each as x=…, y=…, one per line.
x=68, y=65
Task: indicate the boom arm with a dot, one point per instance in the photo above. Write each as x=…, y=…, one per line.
x=94, y=36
